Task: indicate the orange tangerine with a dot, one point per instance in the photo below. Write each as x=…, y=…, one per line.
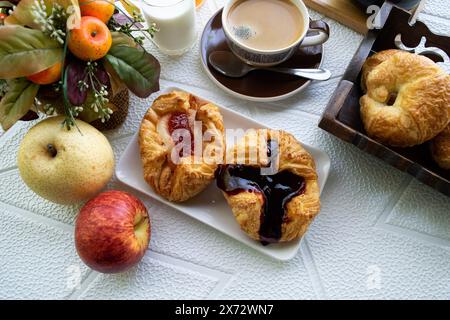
x=47, y=76
x=101, y=9
x=91, y=41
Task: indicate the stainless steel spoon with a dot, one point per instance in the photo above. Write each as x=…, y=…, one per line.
x=229, y=65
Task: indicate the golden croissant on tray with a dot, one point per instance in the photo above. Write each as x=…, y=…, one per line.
x=271, y=186
x=406, y=100
x=166, y=140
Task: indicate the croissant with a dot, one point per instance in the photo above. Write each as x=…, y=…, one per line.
x=169, y=159
x=274, y=206
x=407, y=98
x=373, y=62
x=440, y=148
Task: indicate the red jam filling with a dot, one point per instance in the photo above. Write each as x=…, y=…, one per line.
x=180, y=120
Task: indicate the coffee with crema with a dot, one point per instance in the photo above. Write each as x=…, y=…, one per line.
x=265, y=24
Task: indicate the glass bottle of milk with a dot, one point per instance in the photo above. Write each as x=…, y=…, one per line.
x=175, y=20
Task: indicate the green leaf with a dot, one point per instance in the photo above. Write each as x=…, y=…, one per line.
x=6, y=4
x=117, y=84
x=138, y=69
x=23, y=13
x=121, y=39
x=10, y=20
x=67, y=3
x=16, y=103
x=24, y=52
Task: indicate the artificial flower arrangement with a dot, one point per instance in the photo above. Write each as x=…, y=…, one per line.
x=72, y=58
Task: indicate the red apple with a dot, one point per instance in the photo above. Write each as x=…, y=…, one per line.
x=112, y=232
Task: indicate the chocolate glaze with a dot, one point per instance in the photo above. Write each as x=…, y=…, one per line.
x=277, y=190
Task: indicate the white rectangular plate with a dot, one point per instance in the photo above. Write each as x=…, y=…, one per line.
x=210, y=207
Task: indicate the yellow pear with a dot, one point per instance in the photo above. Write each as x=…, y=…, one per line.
x=65, y=166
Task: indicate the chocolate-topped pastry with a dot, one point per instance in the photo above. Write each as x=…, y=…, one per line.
x=275, y=205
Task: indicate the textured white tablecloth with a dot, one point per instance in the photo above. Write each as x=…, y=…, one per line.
x=380, y=233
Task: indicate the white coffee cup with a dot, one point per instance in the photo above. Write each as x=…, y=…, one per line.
x=266, y=58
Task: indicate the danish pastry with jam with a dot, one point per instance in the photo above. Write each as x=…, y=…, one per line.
x=168, y=156
x=275, y=206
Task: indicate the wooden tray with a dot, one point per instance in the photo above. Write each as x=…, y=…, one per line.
x=342, y=117
x=344, y=11
x=348, y=12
